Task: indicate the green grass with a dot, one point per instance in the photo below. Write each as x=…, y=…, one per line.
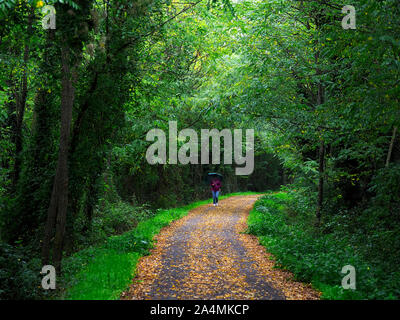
x=104, y=272
x=317, y=258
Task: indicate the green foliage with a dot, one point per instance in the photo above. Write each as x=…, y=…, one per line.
x=19, y=277
x=120, y=217
x=386, y=187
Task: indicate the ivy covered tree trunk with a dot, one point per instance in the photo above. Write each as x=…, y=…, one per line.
x=320, y=99
x=21, y=104
x=321, y=158
x=320, y=200
x=57, y=212
x=389, y=154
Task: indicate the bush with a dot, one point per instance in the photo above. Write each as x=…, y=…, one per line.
x=120, y=217
x=114, y=219
x=19, y=277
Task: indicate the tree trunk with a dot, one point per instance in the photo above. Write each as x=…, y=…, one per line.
x=389, y=155
x=320, y=100
x=57, y=212
x=284, y=177
x=20, y=105
x=321, y=181
x=20, y=111
x=321, y=156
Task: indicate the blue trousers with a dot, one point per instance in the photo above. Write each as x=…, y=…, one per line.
x=215, y=196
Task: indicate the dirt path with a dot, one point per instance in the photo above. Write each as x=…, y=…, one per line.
x=205, y=256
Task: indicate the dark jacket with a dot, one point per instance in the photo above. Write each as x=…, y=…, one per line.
x=215, y=185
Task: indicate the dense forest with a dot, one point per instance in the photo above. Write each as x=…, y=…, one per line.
x=78, y=98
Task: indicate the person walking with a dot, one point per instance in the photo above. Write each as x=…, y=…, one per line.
x=215, y=189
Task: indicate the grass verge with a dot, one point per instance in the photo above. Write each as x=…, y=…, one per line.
x=104, y=272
